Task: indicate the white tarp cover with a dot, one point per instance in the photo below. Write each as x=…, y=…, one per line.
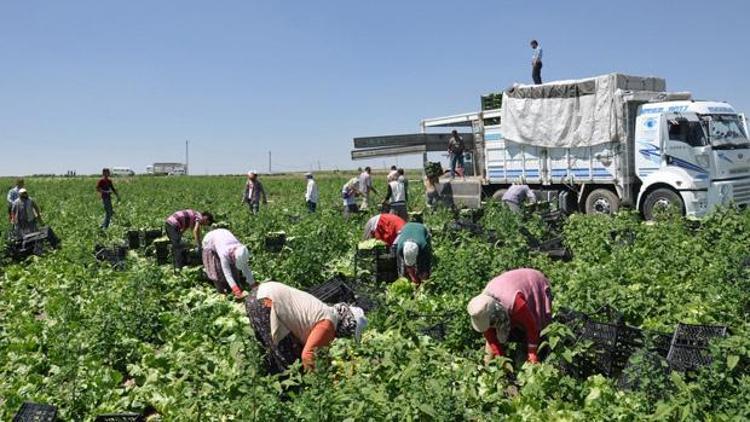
x=569, y=114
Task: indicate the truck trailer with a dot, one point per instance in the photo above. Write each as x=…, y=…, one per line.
x=600, y=143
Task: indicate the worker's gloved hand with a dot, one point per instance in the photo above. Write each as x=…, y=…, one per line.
x=237, y=292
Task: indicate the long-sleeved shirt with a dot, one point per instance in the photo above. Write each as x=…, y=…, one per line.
x=520, y=317
x=384, y=227
x=254, y=192
x=526, y=295
x=223, y=243
x=348, y=191
x=185, y=219
x=311, y=193
x=417, y=233
x=518, y=193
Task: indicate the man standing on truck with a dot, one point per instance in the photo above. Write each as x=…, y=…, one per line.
x=106, y=188
x=456, y=152
x=517, y=194
x=536, y=62
x=365, y=184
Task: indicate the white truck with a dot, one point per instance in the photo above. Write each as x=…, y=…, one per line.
x=122, y=171
x=598, y=143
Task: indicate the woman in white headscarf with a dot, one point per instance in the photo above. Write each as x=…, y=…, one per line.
x=224, y=258
x=518, y=300
x=414, y=252
x=292, y=324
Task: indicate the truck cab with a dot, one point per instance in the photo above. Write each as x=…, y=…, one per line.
x=691, y=155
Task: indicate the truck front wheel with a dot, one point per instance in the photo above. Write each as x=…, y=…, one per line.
x=662, y=200
x=602, y=201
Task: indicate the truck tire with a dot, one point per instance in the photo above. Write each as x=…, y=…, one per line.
x=567, y=202
x=498, y=195
x=602, y=201
x=662, y=198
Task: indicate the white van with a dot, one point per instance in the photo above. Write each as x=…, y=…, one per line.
x=122, y=171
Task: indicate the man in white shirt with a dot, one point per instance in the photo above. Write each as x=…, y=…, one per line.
x=536, y=62
x=365, y=183
x=311, y=194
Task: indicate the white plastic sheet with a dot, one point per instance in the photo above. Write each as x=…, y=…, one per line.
x=569, y=114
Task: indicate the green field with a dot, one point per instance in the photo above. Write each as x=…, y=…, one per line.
x=92, y=340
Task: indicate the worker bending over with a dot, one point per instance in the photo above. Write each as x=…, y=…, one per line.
x=292, y=324
x=414, y=252
x=517, y=194
x=224, y=258
x=182, y=221
x=515, y=305
x=384, y=226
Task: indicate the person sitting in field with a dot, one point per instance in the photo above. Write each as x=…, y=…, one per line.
x=414, y=252
x=292, y=324
x=516, y=302
x=182, y=221
x=384, y=226
x=13, y=195
x=224, y=257
x=349, y=193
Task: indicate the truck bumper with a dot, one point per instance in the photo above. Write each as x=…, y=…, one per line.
x=696, y=202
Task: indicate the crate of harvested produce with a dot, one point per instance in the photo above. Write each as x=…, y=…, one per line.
x=161, y=250
x=374, y=262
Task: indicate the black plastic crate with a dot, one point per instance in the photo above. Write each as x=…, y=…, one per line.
x=689, y=348
x=274, y=242
x=35, y=412
x=161, y=251
x=333, y=291
x=436, y=331
x=190, y=257
x=115, y=256
x=120, y=417
x=134, y=239
x=150, y=235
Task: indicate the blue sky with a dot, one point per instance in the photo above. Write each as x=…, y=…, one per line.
x=87, y=84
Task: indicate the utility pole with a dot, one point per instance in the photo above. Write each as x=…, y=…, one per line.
x=187, y=156
x=269, y=162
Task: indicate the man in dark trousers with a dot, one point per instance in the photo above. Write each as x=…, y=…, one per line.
x=106, y=188
x=536, y=62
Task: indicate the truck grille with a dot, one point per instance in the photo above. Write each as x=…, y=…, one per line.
x=741, y=192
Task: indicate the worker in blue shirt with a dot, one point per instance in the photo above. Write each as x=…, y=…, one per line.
x=536, y=62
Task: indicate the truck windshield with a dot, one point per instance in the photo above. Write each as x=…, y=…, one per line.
x=725, y=131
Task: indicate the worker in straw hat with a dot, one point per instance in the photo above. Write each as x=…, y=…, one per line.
x=517, y=194
x=517, y=305
x=292, y=324
x=224, y=258
x=414, y=252
x=254, y=192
